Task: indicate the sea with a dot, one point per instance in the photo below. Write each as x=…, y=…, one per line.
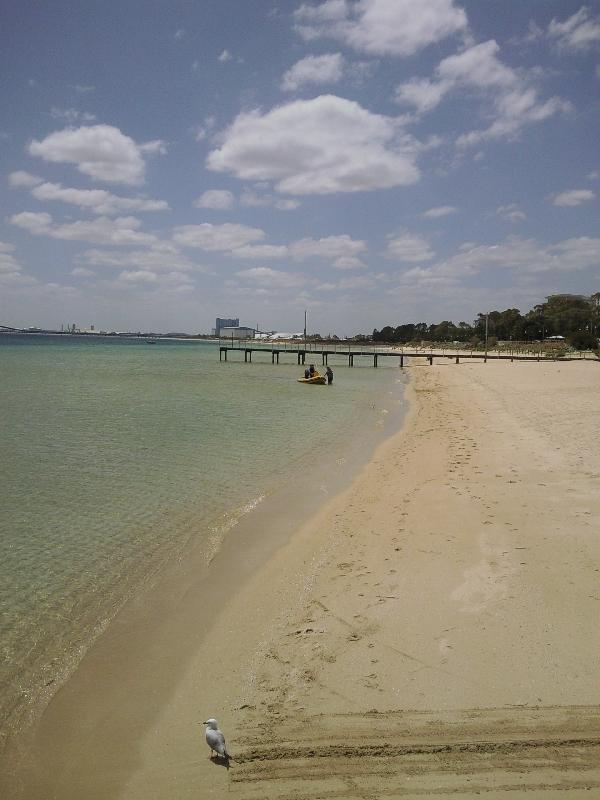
x=117, y=457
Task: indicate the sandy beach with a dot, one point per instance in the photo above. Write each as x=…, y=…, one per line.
x=431, y=630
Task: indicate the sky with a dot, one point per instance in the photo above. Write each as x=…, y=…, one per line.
x=374, y=162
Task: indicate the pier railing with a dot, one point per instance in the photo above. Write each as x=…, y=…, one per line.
x=350, y=350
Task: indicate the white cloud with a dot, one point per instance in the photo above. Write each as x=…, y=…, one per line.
x=200, y=132
x=319, y=146
x=10, y=268
x=97, y=200
x=439, y=211
x=179, y=33
x=381, y=27
x=217, y=237
x=330, y=248
x=225, y=56
x=348, y=284
x=8, y=262
x=421, y=93
x=82, y=272
x=341, y=251
x=477, y=66
x=22, y=178
x=286, y=204
x=408, y=247
x=156, y=259
x=348, y=262
x=35, y=222
x=579, y=32
x=217, y=199
x=573, y=197
x=515, y=111
x=511, y=213
x=514, y=101
x=100, y=151
x=138, y=276
x=71, y=115
x=170, y=282
x=358, y=282
x=524, y=256
x=103, y=230
x=254, y=200
x=319, y=70
x=261, y=251
x=272, y=278
x=155, y=147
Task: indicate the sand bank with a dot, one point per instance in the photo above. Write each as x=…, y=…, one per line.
x=434, y=627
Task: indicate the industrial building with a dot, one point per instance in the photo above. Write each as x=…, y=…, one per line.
x=225, y=323
x=237, y=332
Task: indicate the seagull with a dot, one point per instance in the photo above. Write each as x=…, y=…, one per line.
x=215, y=739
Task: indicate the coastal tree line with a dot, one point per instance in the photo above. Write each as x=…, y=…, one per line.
x=576, y=317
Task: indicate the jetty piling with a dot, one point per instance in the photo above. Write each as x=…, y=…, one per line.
x=373, y=353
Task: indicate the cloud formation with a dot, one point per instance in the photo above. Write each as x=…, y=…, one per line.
x=103, y=230
x=253, y=199
x=408, y=247
x=511, y=213
x=573, y=197
x=273, y=278
x=317, y=70
x=99, y=201
x=10, y=268
x=156, y=259
x=381, y=27
x=439, y=211
x=217, y=237
x=71, y=115
x=100, y=151
x=21, y=178
x=217, y=199
x=524, y=256
x=514, y=101
x=342, y=251
x=581, y=31
x=319, y=146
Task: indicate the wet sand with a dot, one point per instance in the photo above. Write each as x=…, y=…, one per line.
x=432, y=629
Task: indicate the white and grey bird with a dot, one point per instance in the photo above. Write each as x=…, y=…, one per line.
x=215, y=739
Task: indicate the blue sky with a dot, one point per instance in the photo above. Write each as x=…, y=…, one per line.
x=372, y=161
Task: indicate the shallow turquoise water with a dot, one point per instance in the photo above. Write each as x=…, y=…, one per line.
x=117, y=455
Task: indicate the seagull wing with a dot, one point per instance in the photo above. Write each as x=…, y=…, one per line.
x=216, y=741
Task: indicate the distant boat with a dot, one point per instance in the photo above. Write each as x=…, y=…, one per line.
x=150, y=341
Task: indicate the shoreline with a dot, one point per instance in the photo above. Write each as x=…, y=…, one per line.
x=138, y=635
x=452, y=574
x=409, y=597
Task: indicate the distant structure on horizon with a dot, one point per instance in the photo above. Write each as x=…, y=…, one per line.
x=225, y=323
x=237, y=332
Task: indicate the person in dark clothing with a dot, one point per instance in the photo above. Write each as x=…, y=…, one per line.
x=329, y=373
x=307, y=373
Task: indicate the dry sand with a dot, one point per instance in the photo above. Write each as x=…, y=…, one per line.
x=432, y=631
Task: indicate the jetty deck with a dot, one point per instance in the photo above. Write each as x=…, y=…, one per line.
x=300, y=352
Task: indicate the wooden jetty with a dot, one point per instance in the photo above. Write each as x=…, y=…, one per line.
x=301, y=352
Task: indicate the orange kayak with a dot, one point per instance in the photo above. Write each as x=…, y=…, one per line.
x=316, y=379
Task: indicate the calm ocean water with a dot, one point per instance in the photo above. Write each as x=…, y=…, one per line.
x=116, y=456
